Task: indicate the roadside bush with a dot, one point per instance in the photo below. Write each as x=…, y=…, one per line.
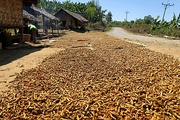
x=174, y=32
x=97, y=26
x=149, y=25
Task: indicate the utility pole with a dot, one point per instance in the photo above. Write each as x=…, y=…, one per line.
x=165, y=8
x=127, y=12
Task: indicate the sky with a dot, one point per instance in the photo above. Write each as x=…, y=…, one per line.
x=137, y=8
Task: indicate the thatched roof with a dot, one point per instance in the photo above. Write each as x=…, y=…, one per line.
x=29, y=16
x=30, y=2
x=75, y=15
x=33, y=9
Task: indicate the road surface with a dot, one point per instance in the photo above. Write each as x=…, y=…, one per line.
x=163, y=45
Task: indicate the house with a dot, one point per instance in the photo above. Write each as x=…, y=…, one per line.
x=71, y=20
x=11, y=17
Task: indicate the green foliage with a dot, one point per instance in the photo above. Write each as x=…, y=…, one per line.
x=148, y=19
x=90, y=10
x=69, y=5
x=153, y=26
x=109, y=17
x=50, y=6
x=94, y=12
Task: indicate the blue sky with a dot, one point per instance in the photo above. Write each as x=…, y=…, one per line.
x=137, y=8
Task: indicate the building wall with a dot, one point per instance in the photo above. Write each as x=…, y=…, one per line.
x=63, y=16
x=70, y=22
x=11, y=15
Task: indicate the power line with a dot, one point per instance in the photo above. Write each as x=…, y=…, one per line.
x=165, y=8
x=127, y=12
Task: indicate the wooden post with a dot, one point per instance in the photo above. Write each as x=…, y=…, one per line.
x=21, y=36
x=57, y=26
x=15, y=31
x=45, y=29
x=43, y=23
x=52, y=27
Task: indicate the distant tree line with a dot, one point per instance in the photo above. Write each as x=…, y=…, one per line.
x=90, y=10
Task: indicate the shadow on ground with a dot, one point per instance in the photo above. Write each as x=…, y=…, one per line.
x=17, y=51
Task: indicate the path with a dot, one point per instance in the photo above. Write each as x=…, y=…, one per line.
x=165, y=46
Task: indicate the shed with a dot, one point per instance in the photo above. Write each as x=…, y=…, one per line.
x=71, y=20
x=47, y=18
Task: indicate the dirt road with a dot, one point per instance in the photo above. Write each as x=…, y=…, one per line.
x=165, y=46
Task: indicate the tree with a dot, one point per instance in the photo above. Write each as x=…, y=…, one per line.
x=69, y=6
x=53, y=6
x=95, y=12
x=42, y=4
x=139, y=21
x=91, y=10
x=109, y=17
x=50, y=6
x=156, y=21
x=174, y=23
x=148, y=19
